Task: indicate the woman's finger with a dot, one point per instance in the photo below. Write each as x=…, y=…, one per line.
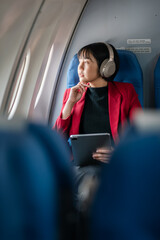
x=104, y=150
x=102, y=158
x=82, y=87
x=84, y=84
x=99, y=155
x=77, y=89
x=103, y=154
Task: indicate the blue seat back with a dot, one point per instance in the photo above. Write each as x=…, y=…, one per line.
x=130, y=72
x=127, y=202
x=157, y=83
x=35, y=184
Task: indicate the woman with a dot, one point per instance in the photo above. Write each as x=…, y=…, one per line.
x=97, y=104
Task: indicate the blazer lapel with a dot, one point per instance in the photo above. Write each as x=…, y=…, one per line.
x=114, y=101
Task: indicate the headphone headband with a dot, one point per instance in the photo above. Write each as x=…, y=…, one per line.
x=111, y=53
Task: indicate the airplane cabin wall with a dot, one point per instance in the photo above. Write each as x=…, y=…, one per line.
x=16, y=19
x=34, y=36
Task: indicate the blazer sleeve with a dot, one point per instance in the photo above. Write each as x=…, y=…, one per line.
x=63, y=125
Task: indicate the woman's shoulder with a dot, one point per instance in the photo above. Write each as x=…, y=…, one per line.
x=124, y=87
x=67, y=90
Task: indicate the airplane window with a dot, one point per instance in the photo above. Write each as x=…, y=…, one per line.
x=18, y=86
x=44, y=76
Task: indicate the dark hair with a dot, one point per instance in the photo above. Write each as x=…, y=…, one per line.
x=100, y=52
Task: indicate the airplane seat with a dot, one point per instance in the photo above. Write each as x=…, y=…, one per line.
x=126, y=205
x=35, y=184
x=72, y=73
x=130, y=71
x=157, y=83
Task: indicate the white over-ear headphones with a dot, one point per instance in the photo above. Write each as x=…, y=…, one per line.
x=108, y=66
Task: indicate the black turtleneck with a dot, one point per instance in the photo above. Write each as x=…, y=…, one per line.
x=95, y=116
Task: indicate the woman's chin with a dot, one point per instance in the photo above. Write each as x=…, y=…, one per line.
x=83, y=80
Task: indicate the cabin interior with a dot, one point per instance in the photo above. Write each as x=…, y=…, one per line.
x=38, y=40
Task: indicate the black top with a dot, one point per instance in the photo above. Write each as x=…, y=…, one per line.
x=95, y=116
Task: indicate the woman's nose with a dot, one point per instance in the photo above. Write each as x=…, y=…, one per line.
x=81, y=65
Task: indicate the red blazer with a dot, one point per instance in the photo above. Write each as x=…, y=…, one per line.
x=122, y=101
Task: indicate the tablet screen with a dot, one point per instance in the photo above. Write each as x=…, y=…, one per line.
x=83, y=146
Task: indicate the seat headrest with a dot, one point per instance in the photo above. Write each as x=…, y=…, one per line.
x=72, y=73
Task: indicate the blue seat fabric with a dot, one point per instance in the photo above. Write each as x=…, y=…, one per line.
x=126, y=205
x=157, y=83
x=130, y=72
x=35, y=178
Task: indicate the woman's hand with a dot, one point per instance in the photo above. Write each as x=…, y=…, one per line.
x=74, y=96
x=77, y=92
x=103, y=154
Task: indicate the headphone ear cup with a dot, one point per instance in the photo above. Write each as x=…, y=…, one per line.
x=107, y=68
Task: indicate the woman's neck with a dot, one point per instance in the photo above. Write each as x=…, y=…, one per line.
x=99, y=82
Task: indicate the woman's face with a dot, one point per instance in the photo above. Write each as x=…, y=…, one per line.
x=88, y=69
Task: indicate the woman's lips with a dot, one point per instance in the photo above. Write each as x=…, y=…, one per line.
x=81, y=75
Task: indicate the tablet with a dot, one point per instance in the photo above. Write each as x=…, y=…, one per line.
x=83, y=146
